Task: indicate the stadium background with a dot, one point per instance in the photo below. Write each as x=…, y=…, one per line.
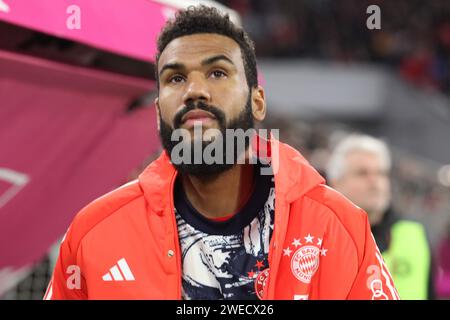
x=325, y=73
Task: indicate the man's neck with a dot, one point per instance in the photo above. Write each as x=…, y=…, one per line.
x=221, y=195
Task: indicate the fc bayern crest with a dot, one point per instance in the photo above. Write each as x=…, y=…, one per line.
x=261, y=283
x=305, y=263
x=305, y=260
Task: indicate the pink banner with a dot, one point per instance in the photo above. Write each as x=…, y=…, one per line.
x=125, y=27
x=65, y=139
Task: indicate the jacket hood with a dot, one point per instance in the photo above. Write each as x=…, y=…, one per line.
x=294, y=176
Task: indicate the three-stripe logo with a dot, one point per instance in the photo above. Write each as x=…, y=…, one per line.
x=119, y=272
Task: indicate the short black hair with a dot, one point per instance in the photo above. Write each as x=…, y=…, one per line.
x=204, y=19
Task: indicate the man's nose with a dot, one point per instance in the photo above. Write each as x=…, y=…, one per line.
x=375, y=179
x=197, y=89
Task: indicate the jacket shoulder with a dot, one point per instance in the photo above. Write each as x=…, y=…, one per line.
x=336, y=202
x=100, y=209
x=351, y=217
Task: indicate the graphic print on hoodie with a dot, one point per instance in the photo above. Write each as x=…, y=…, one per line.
x=220, y=260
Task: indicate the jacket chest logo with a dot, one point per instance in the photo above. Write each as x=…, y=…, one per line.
x=305, y=257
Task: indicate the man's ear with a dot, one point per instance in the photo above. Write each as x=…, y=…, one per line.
x=258, y=103
x=158, y=113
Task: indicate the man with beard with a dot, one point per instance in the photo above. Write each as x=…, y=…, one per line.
x=359, y=167
x=266, y=227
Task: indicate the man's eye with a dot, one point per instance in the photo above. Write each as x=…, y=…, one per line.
x=218, y=74
x=176, y=79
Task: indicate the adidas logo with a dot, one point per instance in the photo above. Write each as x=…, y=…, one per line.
x=119, y=272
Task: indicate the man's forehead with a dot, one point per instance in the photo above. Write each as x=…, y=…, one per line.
x=361, y=153
x=196, y=47
x=358, y=159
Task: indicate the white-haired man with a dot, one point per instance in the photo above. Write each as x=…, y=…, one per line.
x=359, y=167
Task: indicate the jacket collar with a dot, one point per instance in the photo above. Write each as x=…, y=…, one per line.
x=294, y=176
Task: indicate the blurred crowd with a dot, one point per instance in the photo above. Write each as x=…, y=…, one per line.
x=414, y=37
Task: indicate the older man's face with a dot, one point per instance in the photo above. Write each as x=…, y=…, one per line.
x=365, y=182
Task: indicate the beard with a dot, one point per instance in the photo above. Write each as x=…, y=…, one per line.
x=244, y=121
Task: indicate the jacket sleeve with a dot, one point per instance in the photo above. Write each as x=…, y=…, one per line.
x=373, y=280
x=67, y=282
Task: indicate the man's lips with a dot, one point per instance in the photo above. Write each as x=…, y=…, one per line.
x=193, y=116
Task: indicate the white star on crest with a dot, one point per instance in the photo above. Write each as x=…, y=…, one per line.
x=296, y=242
x=309, y=238
x=319, y=242
x=287, y=252
x=323, y=252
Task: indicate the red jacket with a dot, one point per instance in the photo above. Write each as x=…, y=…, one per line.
x=125, y=245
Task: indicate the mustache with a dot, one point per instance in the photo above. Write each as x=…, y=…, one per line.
x=191, y=105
